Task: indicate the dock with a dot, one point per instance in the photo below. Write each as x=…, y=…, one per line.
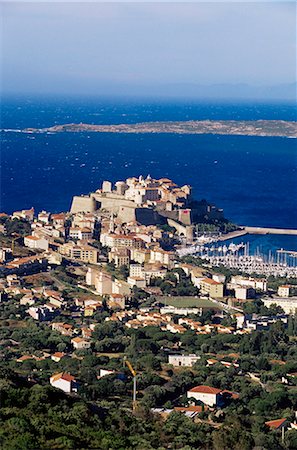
x=263, y=230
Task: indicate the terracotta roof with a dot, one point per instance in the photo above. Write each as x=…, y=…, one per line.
x=276, y=424
x=63, y=376
x=58, y=354
x=78, y=339
x=210, y=281
x=24, y=358
x=205, y=390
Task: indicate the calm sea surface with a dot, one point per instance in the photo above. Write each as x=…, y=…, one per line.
x=252, y=178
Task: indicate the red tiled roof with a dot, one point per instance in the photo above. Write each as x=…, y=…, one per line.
x=63, y=376
x=210, y=281
x=58, y=354
x=275, y=424
x=205, y=390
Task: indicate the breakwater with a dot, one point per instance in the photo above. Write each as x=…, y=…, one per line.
x=263, y=230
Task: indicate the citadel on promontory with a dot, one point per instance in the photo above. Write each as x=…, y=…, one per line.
x=149, y=201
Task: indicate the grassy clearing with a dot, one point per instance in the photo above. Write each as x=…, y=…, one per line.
x=189, y=302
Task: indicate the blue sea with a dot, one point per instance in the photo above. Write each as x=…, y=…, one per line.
x=252, y=178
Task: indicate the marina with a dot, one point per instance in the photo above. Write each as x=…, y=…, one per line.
x=241, y=257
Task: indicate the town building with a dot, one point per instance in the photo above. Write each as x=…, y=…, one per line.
x=42, y=313
x=284, y=291
x=120, y=256
x=244, y=292
x=64, y=381
x=183, y=360
x=206, y=394
x=212, y=288
x=58, y=356
x=80, y=343
x=83, y=252
x=80, y=234
x=288, y=305
x=255, y=283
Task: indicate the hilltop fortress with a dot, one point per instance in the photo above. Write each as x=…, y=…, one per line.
x=148, y=201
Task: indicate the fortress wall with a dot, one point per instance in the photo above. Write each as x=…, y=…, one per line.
x=187, y=231
x=83, y=204
x=113, y=202
x=169, y=214
x=147, y=216
x=127, y=214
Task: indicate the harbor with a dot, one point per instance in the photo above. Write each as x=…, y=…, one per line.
x=260, y=253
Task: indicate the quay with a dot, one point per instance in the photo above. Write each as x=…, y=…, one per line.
x=256, y=230
x=263, y=230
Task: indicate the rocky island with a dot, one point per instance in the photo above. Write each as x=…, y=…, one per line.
x=279, y=128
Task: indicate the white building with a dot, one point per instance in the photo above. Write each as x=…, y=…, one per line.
x=220, y=278
x=244, y=292
x=64, y=381
x=105, y=372
x=283, y=291
x=81, y=234
x=183, y=360
x=43, y=216
x=80, y=343
x=137, y=281
x=180, y=311
x=289, y=305
x=35, y=242
x=208, y=395
x=255, y=283
x=136, y=270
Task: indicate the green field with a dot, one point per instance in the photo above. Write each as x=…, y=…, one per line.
x=189, y=302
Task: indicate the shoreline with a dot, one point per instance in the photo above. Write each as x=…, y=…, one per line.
x=262, y=128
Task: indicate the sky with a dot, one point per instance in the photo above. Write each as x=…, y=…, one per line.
x=141, y=48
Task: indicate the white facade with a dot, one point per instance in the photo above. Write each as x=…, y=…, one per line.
x=255, y=283
x=283, y=291
x=219, y=277
x=209, y=396
x=64, y=381
x=289, y=305
x=136, y=270
x=243, y=292
x=137, y=281
x=35, y=242
x=183, y=360
x=80, y=344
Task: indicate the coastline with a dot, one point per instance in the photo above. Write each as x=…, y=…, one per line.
x=264, y=128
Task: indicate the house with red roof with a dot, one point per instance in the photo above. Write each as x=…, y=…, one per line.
x=208, y=395
x=64, y=381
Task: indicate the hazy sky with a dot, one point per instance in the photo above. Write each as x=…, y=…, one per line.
x=95, y=47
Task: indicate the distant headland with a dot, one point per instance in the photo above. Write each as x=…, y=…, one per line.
x=273, y=128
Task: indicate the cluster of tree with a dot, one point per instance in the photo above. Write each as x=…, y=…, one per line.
x=176, y=283
x=258, y=307
x=34, y=417
x=120, y=273
x=15, y=226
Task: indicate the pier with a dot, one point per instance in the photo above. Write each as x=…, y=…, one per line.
x=263, y=230
x=256, y=230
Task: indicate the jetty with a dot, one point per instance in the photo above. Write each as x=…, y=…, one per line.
x=263, y=230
